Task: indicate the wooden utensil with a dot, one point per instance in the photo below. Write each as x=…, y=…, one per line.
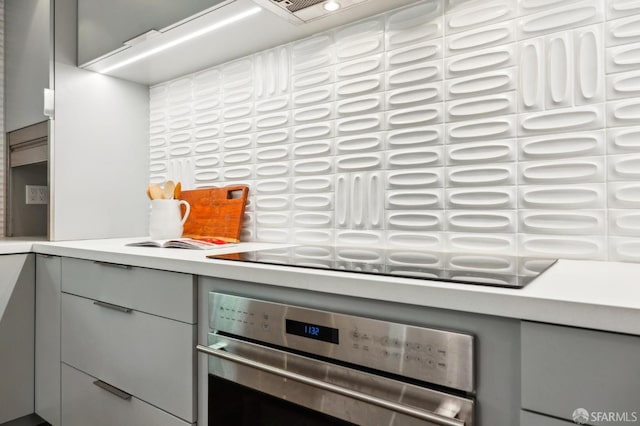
x=149, y=192
x=177, y=191
x=167, y=192
x=155, y=192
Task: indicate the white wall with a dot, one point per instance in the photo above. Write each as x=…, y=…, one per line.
x=474, y=126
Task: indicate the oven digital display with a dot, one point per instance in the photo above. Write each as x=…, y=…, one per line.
x=312, y=331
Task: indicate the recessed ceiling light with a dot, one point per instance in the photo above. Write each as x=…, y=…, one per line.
x=331, y=5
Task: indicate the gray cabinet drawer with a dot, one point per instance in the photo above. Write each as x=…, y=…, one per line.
x=566, y=368
x=531, y=419
x=148, y=356
x=167, y=294
x=84, y=403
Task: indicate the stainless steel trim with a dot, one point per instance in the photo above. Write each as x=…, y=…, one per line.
x=113, y=390
x=112, y=306
x=113, y=265
x=430, y=355
x=399, y=408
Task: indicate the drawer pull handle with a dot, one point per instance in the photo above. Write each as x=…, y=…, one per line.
x=117, y=392
x=112, y=306
x=113, y=265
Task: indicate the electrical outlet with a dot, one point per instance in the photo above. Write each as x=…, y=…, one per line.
x=37, y=194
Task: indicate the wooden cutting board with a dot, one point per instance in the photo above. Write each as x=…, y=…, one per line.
x=215, y=212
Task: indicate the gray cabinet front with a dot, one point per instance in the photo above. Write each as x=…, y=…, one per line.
x=85, y=403
x=103, y=26
x=16, y=335
x=148, y=356
x=47, y=395
x=532, y=419
x=565, y=369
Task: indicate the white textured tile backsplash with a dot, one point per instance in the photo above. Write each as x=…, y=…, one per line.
x=505, y=126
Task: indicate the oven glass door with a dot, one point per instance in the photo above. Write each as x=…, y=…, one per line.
x=231, y=404
x=248, y=379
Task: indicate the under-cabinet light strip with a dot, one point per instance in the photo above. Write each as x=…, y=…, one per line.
x=183, y=39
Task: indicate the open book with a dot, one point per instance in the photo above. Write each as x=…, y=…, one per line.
x=183, y=243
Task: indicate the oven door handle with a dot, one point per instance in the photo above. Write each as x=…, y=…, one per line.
x=218, y=351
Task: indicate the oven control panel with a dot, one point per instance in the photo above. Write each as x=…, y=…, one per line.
x=436, y=356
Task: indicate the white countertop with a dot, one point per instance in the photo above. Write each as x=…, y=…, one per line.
x=589, y=294
x=17, y=244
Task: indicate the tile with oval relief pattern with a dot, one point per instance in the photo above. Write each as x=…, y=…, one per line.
x=622, y=31
x=623, y=113
x=562, y=246
x=620, y=8
x=562, y=197
x=562, y=145
x=272, y=73
x=480, y=38
x=312, y=53
x=623, y=58
x=316, y=148
x=359, y=200
x=624, y=223
x=488, y=152
x=562, y=222
x=462, y=242
x=623, y=140
x=571, y=170
x=363, y=38
x=624, y=249
x=414, y=24
x=565, y=16
x=475, y=15
x=488, y=198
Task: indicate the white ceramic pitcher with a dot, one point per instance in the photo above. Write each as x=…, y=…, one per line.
x=165, y=222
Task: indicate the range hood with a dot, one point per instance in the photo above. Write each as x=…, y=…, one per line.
x=302, y=11
x=230, y=30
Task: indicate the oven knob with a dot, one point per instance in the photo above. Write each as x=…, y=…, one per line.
x=265, y=326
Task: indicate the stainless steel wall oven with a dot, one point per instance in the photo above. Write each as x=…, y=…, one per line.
x=279, y=364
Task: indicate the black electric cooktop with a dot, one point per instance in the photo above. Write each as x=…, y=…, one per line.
x=467, y=268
